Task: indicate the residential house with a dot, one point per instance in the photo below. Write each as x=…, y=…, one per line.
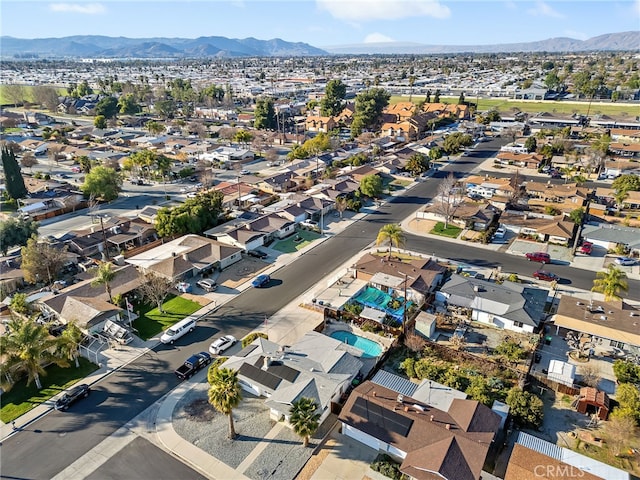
x=459, y=112
x=115, y=233
x=250, y=232
x=613, y=323
x=420, y=276
x=533, y=458
x=544, y=228
x=232, y=155
x=317, y=367
x=508, y=305
x=280, y=182
x=186, y=257
x=479, y=184
x=519, y=159
x=429, y=442
x=89, y=305
x=570, y=195
x=320, y=124
x=625, y=150
x=610, y=237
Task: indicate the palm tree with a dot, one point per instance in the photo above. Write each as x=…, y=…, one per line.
x=391, y=233
x=27, y=347
x=69, y=342
x=611, y=283
x=225, y=394
x=104, y=275
x=304, y=418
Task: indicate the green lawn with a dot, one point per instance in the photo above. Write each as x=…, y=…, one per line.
x=151, y=321
x=450, y=231
x=9, y=206
x=22, y=398
x=289, y=245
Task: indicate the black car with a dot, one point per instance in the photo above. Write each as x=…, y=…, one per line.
x=71, y=396
x=257, y=253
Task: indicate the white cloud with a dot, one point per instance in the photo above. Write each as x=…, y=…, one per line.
x=363, y=10
x=543, y=9
x=636, y=7
x=84, y=8
x=377, y=38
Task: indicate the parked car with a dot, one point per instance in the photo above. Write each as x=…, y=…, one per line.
x=261, y=281
x=625, y=261
x=541, y=257
x=221, y=344
x=546, y=276
x=192, y=365
x=183, y=287
x=500, y=232
x=586, y=248
x=207, y=284
x=71, y=396
x=244, y=171
x=257, y=253
x=309, y=224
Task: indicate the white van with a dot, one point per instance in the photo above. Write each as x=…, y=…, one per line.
x=178, y=330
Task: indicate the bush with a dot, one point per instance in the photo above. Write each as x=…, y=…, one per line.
x=626, y=372
x=527, y=409
x=425, y=368
x=252, y=336
x=385, y=465
x=408, y=367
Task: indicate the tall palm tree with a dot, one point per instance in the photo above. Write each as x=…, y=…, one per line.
x=611, y=282
x=225, y=394
x=304, y=418
x=391, y=233
x=69, y=343
x=27, y=346
x=104, y=275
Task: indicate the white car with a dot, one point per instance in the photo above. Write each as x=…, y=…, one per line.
x=221, y=344
x=500, y=232
x=309, y=224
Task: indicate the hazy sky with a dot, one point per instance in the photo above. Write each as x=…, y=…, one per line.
x=325, y=22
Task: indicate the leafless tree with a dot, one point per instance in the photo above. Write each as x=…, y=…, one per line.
x=458, y=342
x=414, y=342
x=448, y=197
x=227, y=133
x=271, y=155
x=619, y=430
x=46, y=96
x=111, y=163
x=590, y=375
x=154, y=289
x=53, y=152
x=341, y=205
x=14, y=93
x=207, y=177
x=28, y=160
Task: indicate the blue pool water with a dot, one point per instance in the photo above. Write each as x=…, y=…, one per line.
x=370, y=348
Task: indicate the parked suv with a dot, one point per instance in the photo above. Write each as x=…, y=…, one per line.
x=207, y=284
x=541, y=257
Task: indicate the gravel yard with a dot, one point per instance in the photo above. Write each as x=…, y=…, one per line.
x=199, y=423
x=282, y=459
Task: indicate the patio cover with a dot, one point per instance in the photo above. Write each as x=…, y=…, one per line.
x=372, y=314
x=386, y=280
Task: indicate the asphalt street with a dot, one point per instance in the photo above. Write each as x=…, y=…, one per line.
x=56, y=440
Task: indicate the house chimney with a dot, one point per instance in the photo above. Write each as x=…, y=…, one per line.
x=266, y=362
x=373, y=393
x=448, y=426
x=406, y=408
x=431, y=418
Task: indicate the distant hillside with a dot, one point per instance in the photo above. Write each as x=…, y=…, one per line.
x=96, y=46
x=624, y=41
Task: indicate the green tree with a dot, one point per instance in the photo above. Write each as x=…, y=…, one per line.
x=371, y=185
x=68, y=345
x=626, y=183
x=304, y=417
x=611, y=283
x=369, y=106
x=127, y=105
x=154, y=128
x=512, y=351
x=526, y=409
x=19, y=303
x=15, y=232
x=626, y=372
x=225, y=394
x=14, y=183
x=194, y=215
x=628, y=397
x=577, y=216
x=456, y=141
x=242, y=136
x=436, y=96
x=41, y=262
x=334, y=94
x=100, y=121
x=102, y=182
x=27, y=347
x=107, y=106
x=435, y=153
x=104, y=275
x=417, y=164
x=392, y=234
x=531, y=144
x=264, y=114
x=479, y=390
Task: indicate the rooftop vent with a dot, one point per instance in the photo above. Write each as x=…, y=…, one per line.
x=579, y=303
x=400, y=398
x=603, y=317
x=634, y=314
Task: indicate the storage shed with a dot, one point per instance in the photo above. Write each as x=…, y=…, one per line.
x=592, y=400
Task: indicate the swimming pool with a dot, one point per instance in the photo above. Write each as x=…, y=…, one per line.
x=370, y=348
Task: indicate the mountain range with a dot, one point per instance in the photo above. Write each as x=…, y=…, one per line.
x=96, y=46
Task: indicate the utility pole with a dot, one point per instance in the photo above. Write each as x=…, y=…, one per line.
x=105, y=251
